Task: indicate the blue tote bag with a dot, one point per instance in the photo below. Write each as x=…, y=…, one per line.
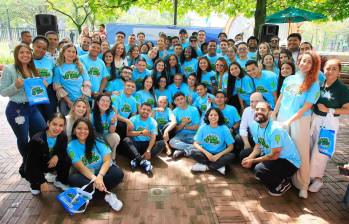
x=327, y=137
x=36, y=91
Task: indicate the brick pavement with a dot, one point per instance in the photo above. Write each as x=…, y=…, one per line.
x=175, y=195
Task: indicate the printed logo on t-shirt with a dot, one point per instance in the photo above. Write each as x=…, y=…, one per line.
x=293, y=90
x=71, y=75
x=105, y=126
x=261, y=89
x=241, y=91
x=188, y=69
x=212, y=139
x=126, y=108
x=94, y=158
x=203, y=107
x=277, y=139
x=226, y=121
x=94, y=71
x=150, y=101
x=161, y=121
x=262, y=142
x=44, y=73
x=140, y=129
x=327, y=95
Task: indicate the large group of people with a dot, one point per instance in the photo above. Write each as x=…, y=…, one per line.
x=213, y=101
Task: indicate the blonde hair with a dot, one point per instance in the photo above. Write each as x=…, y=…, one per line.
x=87, y=114
x=61, y=59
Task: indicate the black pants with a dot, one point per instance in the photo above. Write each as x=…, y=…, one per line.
x=272, y=172
x=121, y=129
x=246, y=152
x=161, y=132
x=223, y=161
x=135, y=149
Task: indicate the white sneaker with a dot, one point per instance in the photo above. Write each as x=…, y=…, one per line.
x=50, y=177
x=315, y=186
x=303, y=194
x=60, y=185
x=113, y=201
x=199, y=167
x=221, y=170
x=34, y=192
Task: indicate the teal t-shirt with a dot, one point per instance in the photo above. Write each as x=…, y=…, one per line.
x=231, y=115
x=76, y=152
x=80, y=51
x=189, y=67
x=202, y=103
x=206, y=78
x=274, y=136
x=105, y=120
x=138, y=77
x=143, y=96
x=174, y=89
x=190, y=112
x=293, y=99
x=164, y=92
x=242, y=62
x=213, y=59
x=266, y=84
x=51, y=142
x=124, y=105
x=244, y=88
x=214, y=140
x=140, y=125
x=162, y=118
x=115, y=85
x=69, y=77
x=45, y=67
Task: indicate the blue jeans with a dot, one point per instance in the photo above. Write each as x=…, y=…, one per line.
x=24, y=120
x=183, y=142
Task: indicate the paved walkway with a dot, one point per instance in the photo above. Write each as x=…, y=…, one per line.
x=175, y=195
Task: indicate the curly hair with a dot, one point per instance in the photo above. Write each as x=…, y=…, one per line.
x=312, y=75
x=221, y=120
x=61, y=59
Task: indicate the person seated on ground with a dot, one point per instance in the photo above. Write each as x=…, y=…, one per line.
x=247, y=119
x=141, y=145
x=104, y=120
x=166, y=122
x=188, y=120
x=204, y=100
x=279, y=158
x=47, y=152
x=214, y=144
x=126, y=106
x=80, y=108
x=231, y=119
x=91, y=161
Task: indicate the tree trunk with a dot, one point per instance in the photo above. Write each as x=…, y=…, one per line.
x=259, y=15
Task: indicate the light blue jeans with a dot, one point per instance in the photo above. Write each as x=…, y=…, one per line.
x=183, y=142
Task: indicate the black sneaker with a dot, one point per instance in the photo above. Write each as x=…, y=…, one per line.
x=177, y=154
x=281, y=189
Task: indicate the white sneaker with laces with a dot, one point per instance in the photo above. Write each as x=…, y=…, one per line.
x=221, y=170
x=34, y=192
x=50, y=177
x=113, y=201
x=60, y=185
x=303, y=194
x=315, y=186
x=199, y=167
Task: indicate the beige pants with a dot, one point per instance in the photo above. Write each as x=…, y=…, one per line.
x=113, y=139
x=318, y=161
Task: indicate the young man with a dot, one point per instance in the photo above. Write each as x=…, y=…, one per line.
x=95, y=67
x=252, y=43
x=212, y=54
x=26, y=37
x=85, y=43
x=279, y=158
x=178, y=50
x=141, y=144
x=223, y=45
x=188, y=120
x=140, y=38
x=201, y=37
x=193, y=41
x=126, y=106
x=178, y=85
x=274, y=43
x=101, y=30
x=131, y=42
x=120, y=37
x=293, y=42
x=242, y=54
x=239, y=37
x=183, y=36
x=264, y=81
x=53, y=41
x=246, y=123
x=117, y=85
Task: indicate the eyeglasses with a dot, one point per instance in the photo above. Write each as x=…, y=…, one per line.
x=219, y=65
x=242, y=49
x=193, y=40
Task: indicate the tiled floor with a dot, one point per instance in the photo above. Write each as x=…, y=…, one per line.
x=175, y=195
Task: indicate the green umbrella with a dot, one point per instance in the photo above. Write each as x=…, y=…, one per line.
x=293, y=15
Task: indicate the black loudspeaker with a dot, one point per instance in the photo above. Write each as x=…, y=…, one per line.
x=267, y=31
x=45, y=22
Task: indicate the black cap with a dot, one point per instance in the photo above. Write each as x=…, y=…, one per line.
x=182, y=31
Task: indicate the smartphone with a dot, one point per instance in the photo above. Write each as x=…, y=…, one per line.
x=213, y=81
x=343, y=171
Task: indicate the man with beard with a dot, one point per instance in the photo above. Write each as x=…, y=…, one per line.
x=279, y=158
x=252, y=43
x=85, y=43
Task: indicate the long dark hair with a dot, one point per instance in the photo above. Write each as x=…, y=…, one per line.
x=193, y=54
x=221, y=120
x=155, y=72
x=232, y=79
x=199, y=71
x=282, y=78
x=91, y=138
x=289, y=55
x=112, y=66
x=157, y=86
x=96, y=113
x=168, y=67
x=57, y=115
x=143, y=83
x=18, y=64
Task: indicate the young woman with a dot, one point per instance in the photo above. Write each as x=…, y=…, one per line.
x=214, y=144
x=120, y=60
x=161, y=44
x=146, y=94
x=240, y=87
x=133, y=55
x=294, y=107
x=173, y=67
x=231, y=55
x=161, y=89
x=81, y=108
x=222, y=74
x=287, y=69
x=166, y=122
x=104, y=120
x=91, y=160
x=284, y=56
x=144, y=49
x=24, y=119
x=189, y=63
x=192, y=94
x=140, y=72
x=263, y=49
x=71, y=80
x=205, y=74
x=269, y=65
x=47, y=152
x=150, y=57
x=333, y=102
x=159, y=69
x=104, y=47
x=45, y=64
x=204, y=100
